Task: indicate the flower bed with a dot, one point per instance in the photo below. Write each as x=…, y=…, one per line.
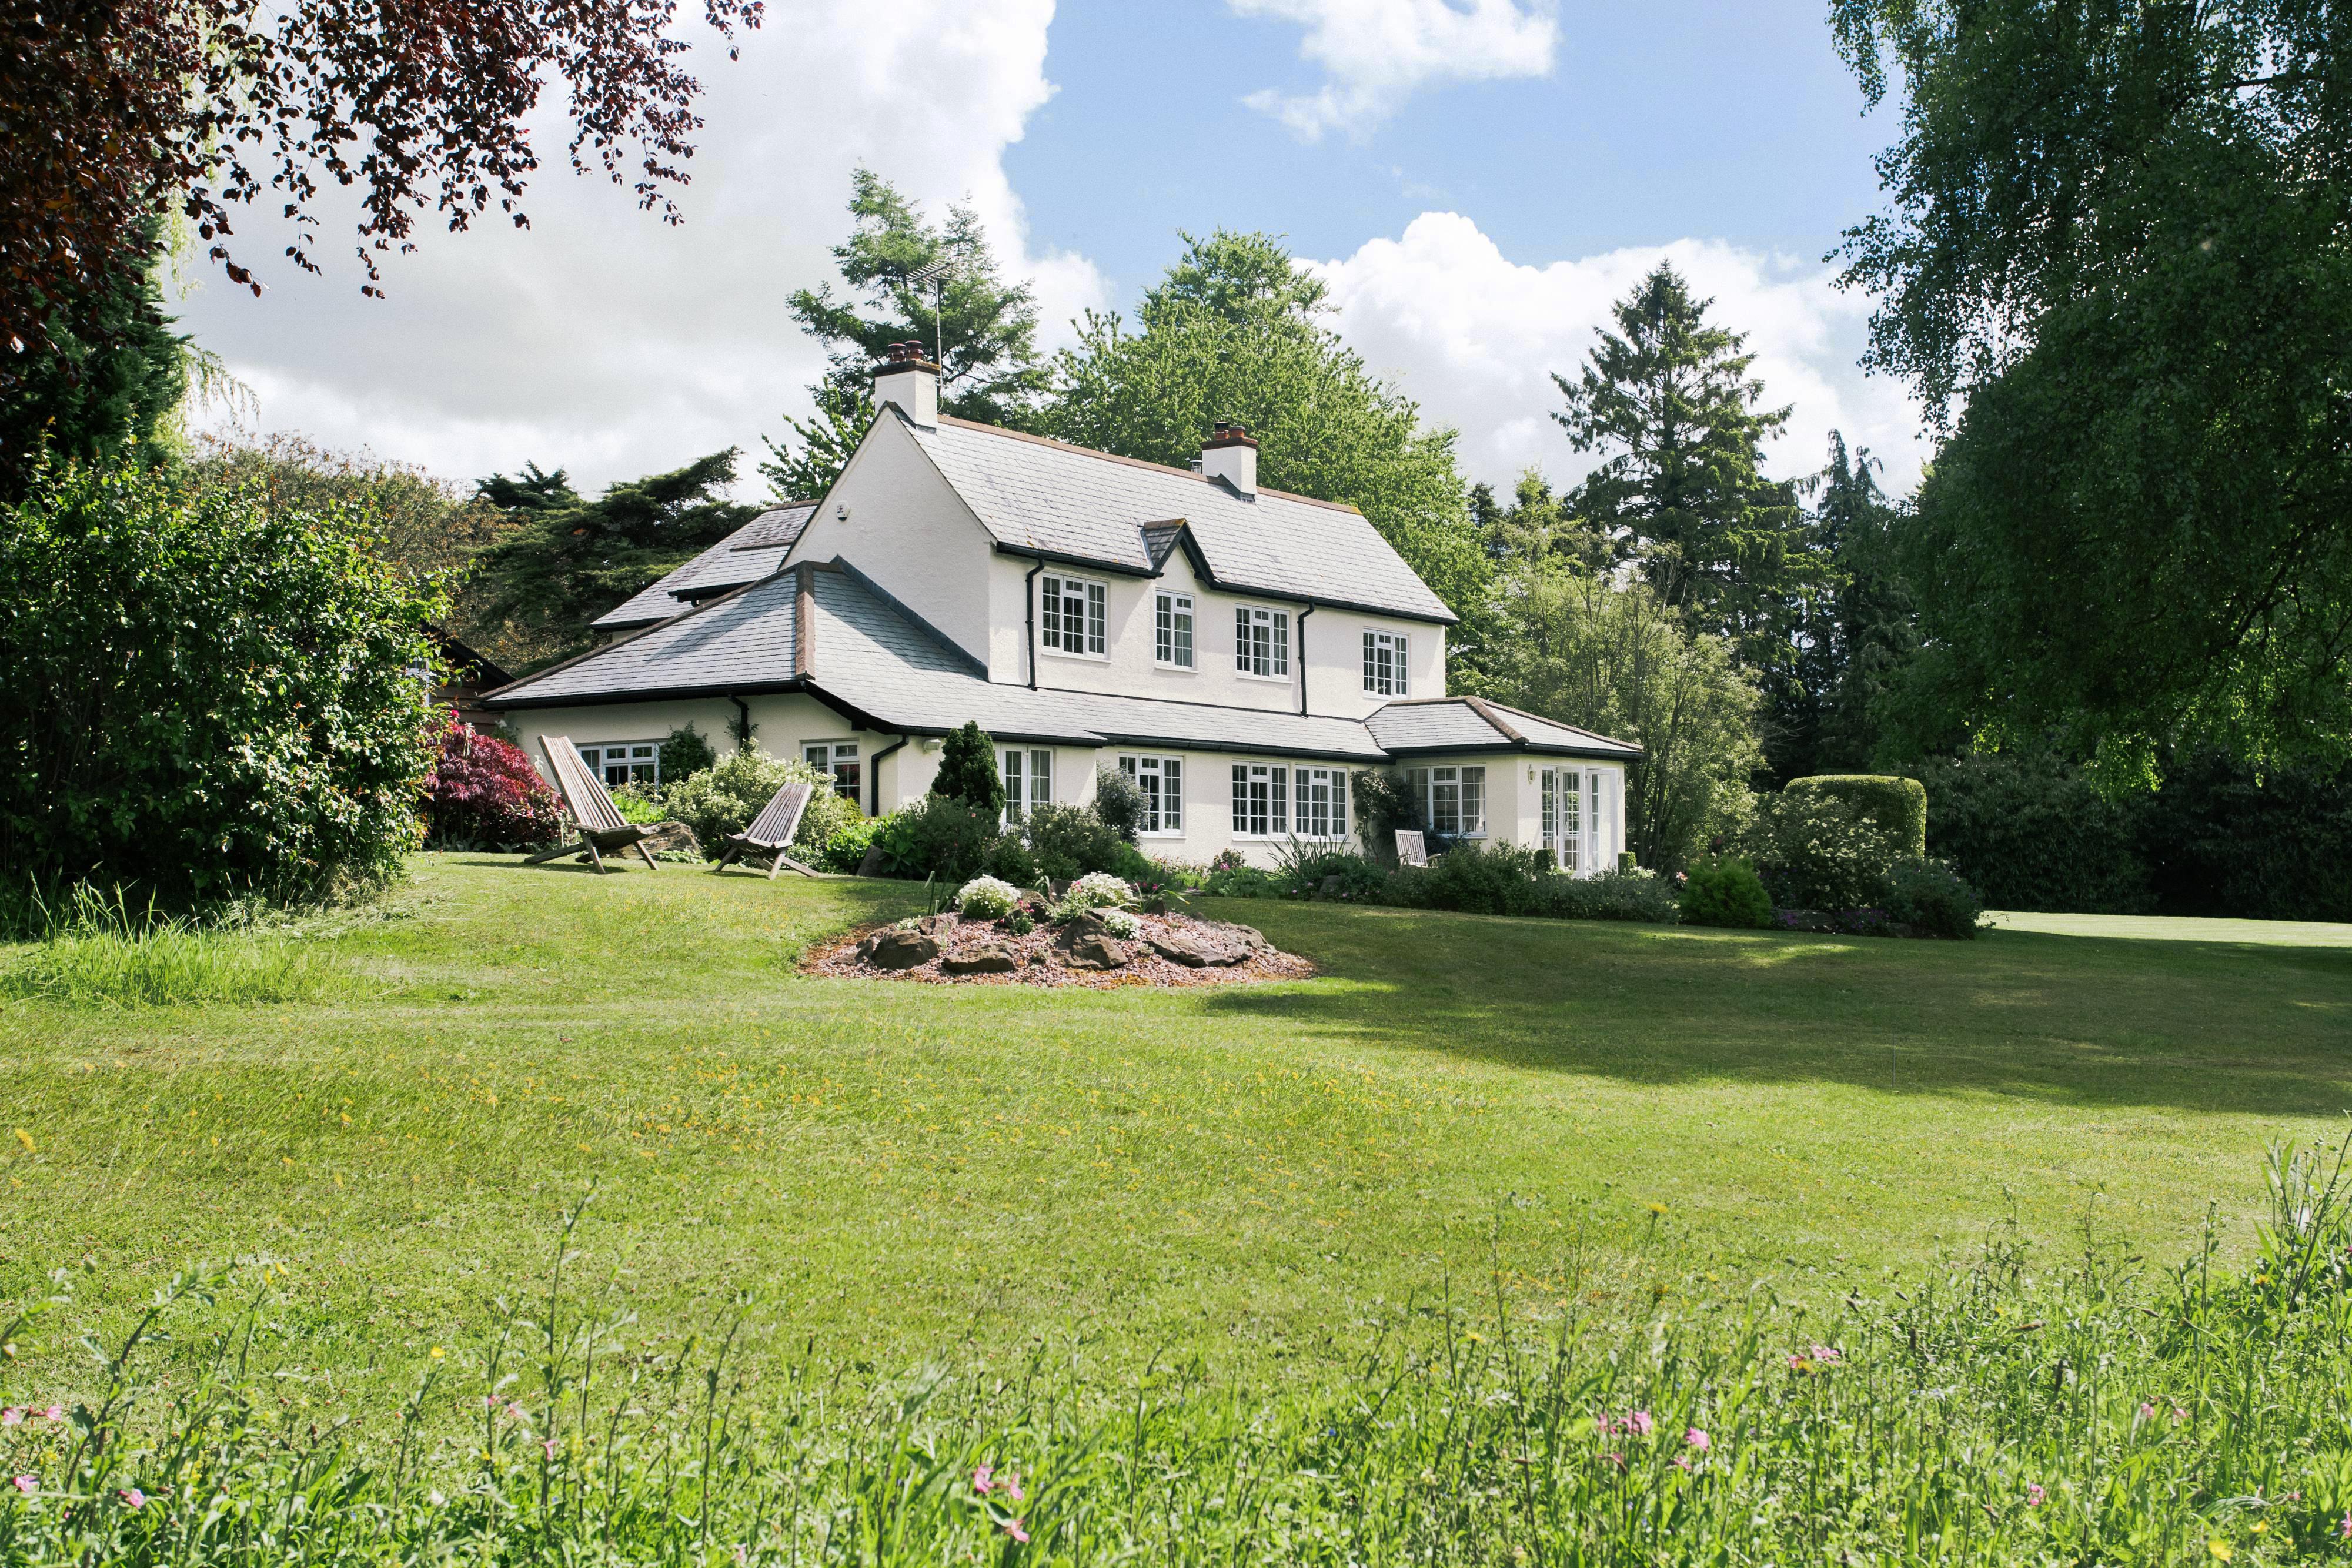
x=1088, y=951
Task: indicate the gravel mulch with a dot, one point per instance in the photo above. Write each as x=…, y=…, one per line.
x=1042, y=959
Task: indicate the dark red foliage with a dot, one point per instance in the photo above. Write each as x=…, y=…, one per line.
x=483, y=793
x=113, y=110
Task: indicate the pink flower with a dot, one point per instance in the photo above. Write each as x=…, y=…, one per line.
x=2344, y=1530
x=133, y=1496
x=11, y=1416
x=1618, y=1461
x=1698, y=1439
x=27, y=1485
x=1826, y=1355
x=981, y=1479
x=1682, y=1461
x=2147, y=1411
x=549, y=1446
x=1012, y=1486
x=1640, y=1423
x=2034, y=1494
x=1012, y=1527
x=55, y=1412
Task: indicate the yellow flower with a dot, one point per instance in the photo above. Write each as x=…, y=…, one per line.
x=438, y=1352
x=1657, y=1209
x=2219, y=1549
x=25, y=1138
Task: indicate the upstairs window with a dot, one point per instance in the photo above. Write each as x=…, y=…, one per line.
x=1384, y=664
x=1071, y=613
x=1172, y=629
x=1262, y=643
x=1162, y=779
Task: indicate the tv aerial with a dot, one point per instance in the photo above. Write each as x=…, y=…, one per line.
x=936, y=274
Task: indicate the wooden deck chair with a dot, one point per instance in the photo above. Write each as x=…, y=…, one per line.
x=770, y=832
x=1411, y=847
x=602, y=829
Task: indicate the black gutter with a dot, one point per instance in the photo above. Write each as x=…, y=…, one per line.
x=1029, y=618
x=1301, y=625
x=874, y=775
x=1124, y=568
x=1089, y=563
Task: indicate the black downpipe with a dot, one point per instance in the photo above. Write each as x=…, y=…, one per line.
x=874, y=777
x=1302, y=659
x=742, y=723
x=1029, y=618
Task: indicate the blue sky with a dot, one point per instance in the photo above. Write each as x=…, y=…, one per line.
x=1476, y=179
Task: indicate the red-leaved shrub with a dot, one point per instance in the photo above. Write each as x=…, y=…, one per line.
x=484, y=794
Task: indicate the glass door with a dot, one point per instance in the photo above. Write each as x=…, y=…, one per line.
x=1564, y=816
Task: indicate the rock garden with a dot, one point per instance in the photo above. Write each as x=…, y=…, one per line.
x=1093, y=933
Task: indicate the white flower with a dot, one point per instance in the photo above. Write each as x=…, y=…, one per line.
x=1121, y=925
x=986, y=898
x=1100, y=890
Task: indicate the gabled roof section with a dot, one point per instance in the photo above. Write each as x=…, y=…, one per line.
x=742, y=639
x=1033, y=494
x=1422, y=727
x=747, y=555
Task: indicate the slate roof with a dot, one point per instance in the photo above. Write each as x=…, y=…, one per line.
x=747, y=555
x=1038, y=495
x=1423, y=726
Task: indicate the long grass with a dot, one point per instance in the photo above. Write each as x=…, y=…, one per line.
x=95, y=950
x=2096, y=1411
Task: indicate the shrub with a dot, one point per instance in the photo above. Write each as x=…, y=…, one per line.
x=639, y=803
x=1898, y=805
x=1614, y=895
x=939, y=837
x=484, y=794
x=844, y=850
x=1306, y=867
x=686, y=754
x=723, y=798
x=1009, y=860
x=1385, y=801
x=1227, y=860
x=202, y=699
x=967, y=771
x=1122, y=925
x=1100, y=890
x=1244, y=882
x=1724, y=892
x=1929, y=897
x=1070, y=842
x=1477, y=879
x=1815, y=851
x=2029, y=832
x=986, y=898
x=1119, y=802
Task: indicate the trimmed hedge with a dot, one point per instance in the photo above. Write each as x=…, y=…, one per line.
x=1897, y=805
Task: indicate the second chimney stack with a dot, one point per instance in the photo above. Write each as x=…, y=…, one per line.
x=1232, y=455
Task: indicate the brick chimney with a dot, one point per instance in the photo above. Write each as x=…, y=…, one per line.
x=1232, y=455
x=908, y=380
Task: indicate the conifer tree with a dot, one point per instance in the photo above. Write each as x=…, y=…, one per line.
x=968, y=769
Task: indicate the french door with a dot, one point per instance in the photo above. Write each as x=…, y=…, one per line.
x=1580, y=819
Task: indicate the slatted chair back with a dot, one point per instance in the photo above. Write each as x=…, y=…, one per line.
x=1411, y=849
x=781, y=818
x=582, y=791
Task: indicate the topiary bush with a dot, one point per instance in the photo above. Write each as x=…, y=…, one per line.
x=1930, y=898
x=201, y=698
x=1898, y=805
x=686, y=754
x=723, y=798
x=1724, y=892
x=1119, y=802
x=967, y=771
x=484, y=794
x=1813, y=850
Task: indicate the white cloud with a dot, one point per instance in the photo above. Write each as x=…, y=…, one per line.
x=1475, y=337
x=603, y=340
x=1378, y=53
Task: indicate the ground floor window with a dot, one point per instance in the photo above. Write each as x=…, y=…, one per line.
x=1028, y=780
x=620, y=762
x=1322, y=797
x=840, y=758
x=1452, y=800
x=1162, y=779
x=1261, y=800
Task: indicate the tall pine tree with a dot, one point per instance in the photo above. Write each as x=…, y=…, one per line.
x=1853, y=627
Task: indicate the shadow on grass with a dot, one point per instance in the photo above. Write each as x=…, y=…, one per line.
x=2257, y=1030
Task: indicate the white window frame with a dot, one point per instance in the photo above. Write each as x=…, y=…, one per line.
x=1271, y=651
x=1171, y=613
x=1452, y=790
x=1387, y=663
x=1565, y=815
x=1056, y=592
x=1318, y=804
x=1261, y=800
x=1162, y=779
x=1028, y=774
x=641, y=758
x=828, y=755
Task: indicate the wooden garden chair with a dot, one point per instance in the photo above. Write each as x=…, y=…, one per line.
x=602, y=828
x=770, y=832
x=1412, y=850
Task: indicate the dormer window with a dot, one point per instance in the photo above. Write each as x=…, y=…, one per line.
x=1071, y=613
x=1384, y=664
x=1262, y=643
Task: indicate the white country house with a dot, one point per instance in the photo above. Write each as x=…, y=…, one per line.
x=1240, y=651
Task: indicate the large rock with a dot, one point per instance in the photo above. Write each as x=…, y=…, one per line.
x=895, y=949
x=1095, y=951
x=988, y=958
x=674, y=839
x=1198, y=950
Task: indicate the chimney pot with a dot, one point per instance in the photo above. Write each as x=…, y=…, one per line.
x=912, y=382
x=1230, y=454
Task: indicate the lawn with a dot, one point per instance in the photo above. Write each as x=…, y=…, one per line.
x=1247, y=1174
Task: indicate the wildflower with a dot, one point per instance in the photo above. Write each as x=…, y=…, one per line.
x=1640, y=1423
x=1012, y=1486
x=1698, y=1439
x=11, y=1416
x=981, y=1479
x=133, y=1498
x=54, y=1412
x=2221, y=1551
x=2147, y=1411
x=738, y=1551
x=2344, y=1529
x=27, y=1485
x=1012, y=1527
x=549, y=1446
x=436, y=1353
x=2034, y=1494
x=1826, y=1355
